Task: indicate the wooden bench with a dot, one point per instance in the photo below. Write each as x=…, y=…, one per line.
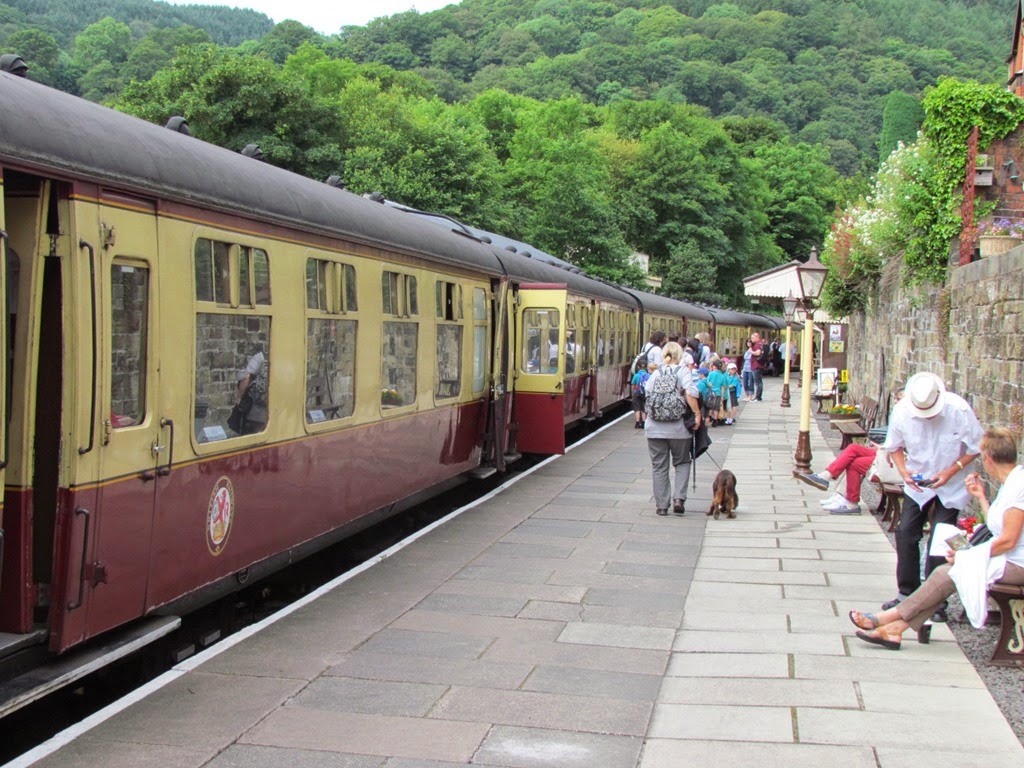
x=854, y=430
x=891, y=504
x=822, y=397
x=1009, y=650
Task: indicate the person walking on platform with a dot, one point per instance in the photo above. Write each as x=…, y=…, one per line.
x=932, y=438
x=668, y=438
x=758, y=364
x=748, y=373
x=1005, y=518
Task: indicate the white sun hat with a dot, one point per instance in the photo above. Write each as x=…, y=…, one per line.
x=925, y=391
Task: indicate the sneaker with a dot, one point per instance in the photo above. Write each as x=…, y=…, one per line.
x=833, y=501
x=661, y=512
x=838, y=501
x=851, y=510
x=679, y=507
x=893, y=603
x=812, y=479
x=940, y=617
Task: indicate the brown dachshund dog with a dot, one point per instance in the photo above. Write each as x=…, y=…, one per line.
x=725, y=499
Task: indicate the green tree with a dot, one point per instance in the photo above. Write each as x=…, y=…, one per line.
x=105, y=41
x=901, y=118
x=40, y=50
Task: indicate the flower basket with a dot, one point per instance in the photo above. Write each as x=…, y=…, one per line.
x=993, y=245
x=843, y=413
x=390, y=397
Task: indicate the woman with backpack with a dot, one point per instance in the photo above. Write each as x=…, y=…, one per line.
x=670, y=391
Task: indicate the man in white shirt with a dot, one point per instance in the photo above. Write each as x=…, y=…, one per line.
x=932, y=438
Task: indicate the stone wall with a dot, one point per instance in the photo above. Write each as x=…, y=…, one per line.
x=969, y=331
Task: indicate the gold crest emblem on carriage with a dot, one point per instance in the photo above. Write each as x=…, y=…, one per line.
x=219, y=516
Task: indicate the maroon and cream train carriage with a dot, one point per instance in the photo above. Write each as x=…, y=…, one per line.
x=146, y=274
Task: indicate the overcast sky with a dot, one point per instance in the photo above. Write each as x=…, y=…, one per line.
x=326, y=16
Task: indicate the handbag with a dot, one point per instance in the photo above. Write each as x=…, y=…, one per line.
x=883, y=471
x=701, y=441
x=236, y=420
x=981, y=535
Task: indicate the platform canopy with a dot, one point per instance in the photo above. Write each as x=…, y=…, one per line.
x=775, y=284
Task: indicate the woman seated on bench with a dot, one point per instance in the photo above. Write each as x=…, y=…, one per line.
x=1005, y=518
x=855, y=460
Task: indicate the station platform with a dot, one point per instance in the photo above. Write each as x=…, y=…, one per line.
x=560, y=622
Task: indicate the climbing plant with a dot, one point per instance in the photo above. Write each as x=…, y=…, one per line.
x=912, y=213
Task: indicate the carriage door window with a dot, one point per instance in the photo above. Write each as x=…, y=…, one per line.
x=448, y=302
x=540, y=341
x=400, y=341
x=129, y=344
x=583, y=338
x=479, y=339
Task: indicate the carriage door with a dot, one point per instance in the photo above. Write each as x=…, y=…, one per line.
x=539, y=399
x=130, y=444
x=3, y=368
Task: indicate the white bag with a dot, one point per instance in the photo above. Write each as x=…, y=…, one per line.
x=882, y=470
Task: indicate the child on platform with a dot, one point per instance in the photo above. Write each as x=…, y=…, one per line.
x=639, y=393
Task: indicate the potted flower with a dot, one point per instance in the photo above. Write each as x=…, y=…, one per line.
x=844, y=413
x=997, y=236
x=390, y=397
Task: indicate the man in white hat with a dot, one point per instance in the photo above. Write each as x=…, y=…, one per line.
x=932, y=438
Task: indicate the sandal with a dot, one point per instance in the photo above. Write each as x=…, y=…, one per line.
x=880, y=638
x=863, y=620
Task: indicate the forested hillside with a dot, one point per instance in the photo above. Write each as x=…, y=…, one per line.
x=66, y=18
x=716, y=138
x=821, y=67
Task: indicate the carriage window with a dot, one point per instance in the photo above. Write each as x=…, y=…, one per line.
x=219, y=265
x=232, y=368
x=448, y=310
x=316, y=284
x=212, y=270
x=540, y=341
x=479, y=339
x=330, y=286
x=449, y=301
x=330, y=369
x=398, y=364
x=129, y=326
x=449, y=360
x=400, y=343
x=261, y=275
x=399, y=294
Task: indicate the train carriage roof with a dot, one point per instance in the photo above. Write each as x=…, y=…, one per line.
x=527, y=263
x=651, y=302
x=45, y=127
